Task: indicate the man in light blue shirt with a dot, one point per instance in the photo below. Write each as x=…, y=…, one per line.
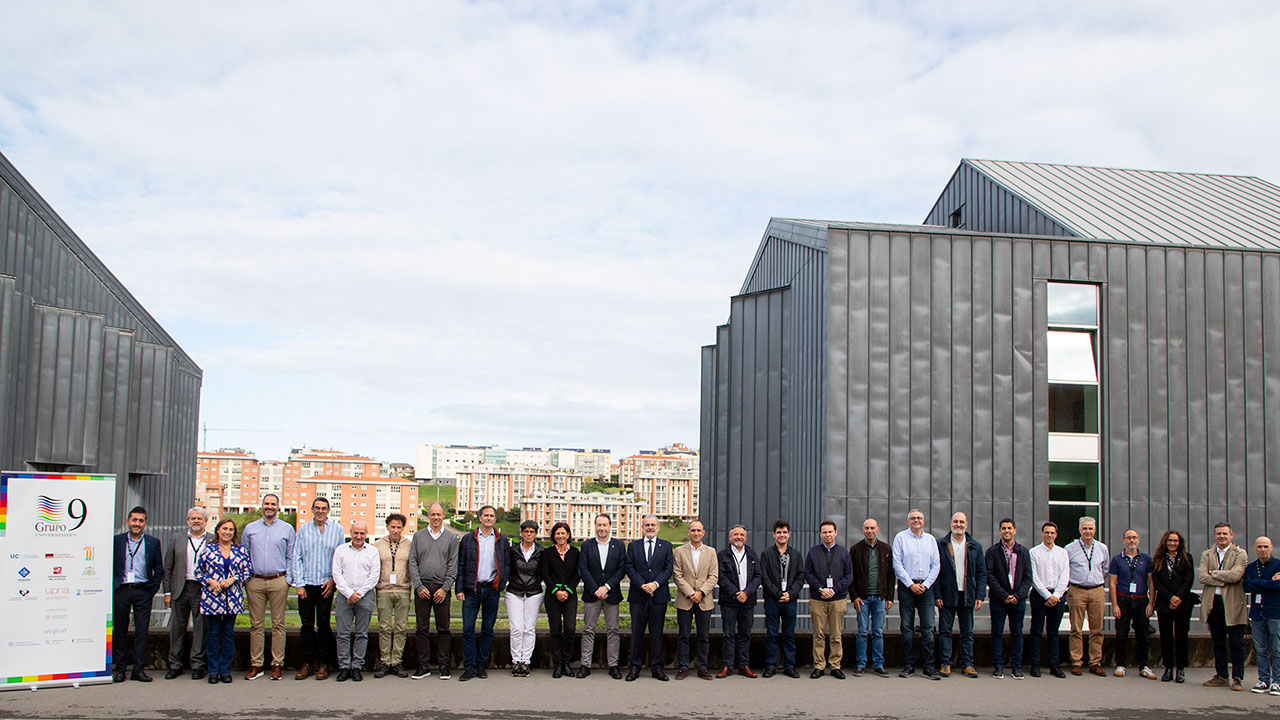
x=916, y=564
x=313, y=577
x=269, y=541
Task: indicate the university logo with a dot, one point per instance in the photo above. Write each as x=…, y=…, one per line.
x=89, y=572
x=24, y=592
x=23, y=572
x=88, y=553
x=54, y=516
x=57, y=570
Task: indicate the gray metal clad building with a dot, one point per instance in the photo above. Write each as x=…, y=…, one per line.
x=1054, y=342
x=89, y=381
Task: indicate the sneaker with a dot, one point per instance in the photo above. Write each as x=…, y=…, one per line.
x=1119, y=671
x=857, y=671
x=881, y=672
x=421, y=672
x=1217, y=681
x=444, y=673
x=1017, y=673
x=1275, y=688
x=1237, y=684
x=1260, y=687
x=970, y=671
x=907, y=672
x=997, y=673
x=254, y=673
x=945, y=670
x=1147, y=673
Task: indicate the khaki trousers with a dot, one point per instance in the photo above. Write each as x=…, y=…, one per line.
x=258, y=594
x=393, y=614
x=1086, y=604
x=828, y=631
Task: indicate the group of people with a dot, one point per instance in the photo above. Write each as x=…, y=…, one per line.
x=937, y=583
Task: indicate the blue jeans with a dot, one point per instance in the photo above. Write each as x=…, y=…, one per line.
x=946, y=620
x=1266, y=646
x=909, y=606
x=1014, y=614
x=871, y=621
x=784, y=614
x=219, y=644
x=475, y=653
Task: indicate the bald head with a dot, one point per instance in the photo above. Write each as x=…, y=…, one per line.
x=870, y=529
x=359, y=531
x=959, y=525
x=1263, y=547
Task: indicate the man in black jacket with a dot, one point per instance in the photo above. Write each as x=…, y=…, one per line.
x=138, y=570
x=872, y=591
x=962, y=582
x=484, y=559
x=602, y=564
x=650, y=562
x=829, y=572
x=781, y=576
x=1009, y=580
x=739, y=579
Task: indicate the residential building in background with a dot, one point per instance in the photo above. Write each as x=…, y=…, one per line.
x=579, y=510
x=233, y=472
x=676, y=457
x=668, y=493
x=439, y=462
x=503, y=486
x=370, y=499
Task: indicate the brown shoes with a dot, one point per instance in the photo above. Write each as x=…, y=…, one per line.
x=304, y=672
x=322, y=672
x=1237, y=684
x=1077, y=670
x=1217, y=681
x=1097, y=670
x=970, y=671
x=747, y=672
x=944, y=670
x=724, y=672
x=254, y=673
x=705, y=674
x=682, y=673
x=277, y=672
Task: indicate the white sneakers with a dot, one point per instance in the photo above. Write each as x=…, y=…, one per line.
x=1119, y=671
x=1146, y=673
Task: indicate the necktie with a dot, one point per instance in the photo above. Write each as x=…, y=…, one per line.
x=648, y=551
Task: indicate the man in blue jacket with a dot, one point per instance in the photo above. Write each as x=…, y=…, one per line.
x=739, y=580
x=961, y=585
x=602, y=564
x=1009, y=580
x=136, y=574
x=828, y=568
x=1262, y=579
x=650, y=562
x=484, y=558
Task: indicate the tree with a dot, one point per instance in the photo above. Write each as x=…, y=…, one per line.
x=513, y=515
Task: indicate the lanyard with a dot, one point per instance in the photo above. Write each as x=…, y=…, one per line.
x=1088, y=556
x=195, y=549
x=133, y=554
x=830, y=550
x=394, y=548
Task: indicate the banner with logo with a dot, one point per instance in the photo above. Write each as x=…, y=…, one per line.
x=55, y=552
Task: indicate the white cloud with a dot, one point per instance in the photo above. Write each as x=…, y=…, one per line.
x=504, y=222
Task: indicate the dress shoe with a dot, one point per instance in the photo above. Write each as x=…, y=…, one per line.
x=1180, y=676
x=226, y=679
x=790, y=672
x=402, y=673
x=632, y=675
x=817, y=673
x=583, y=671
x=705, y=674
x=555, y=672
x=1057, y=672
x=1097, y=670
x=660, y=675
x=931, y=674
x=197, y=674
x=1077, y=670
x=837, y=673
x=322, y=672
x=173, y=673
x=769, y=672
x=254, y=673
x=117, y=677
x=213, y=679
x=482, y=673
x=682, y=673
x=356, y=675
x=277, y=672
x=381, y=672
x=343, y=675
x=724, y=672
x=140, y=676
x=1167, y=676
x=466, y=675
x=304, y=672
x=747, y=672
x=615, y=672
x=1034, y=671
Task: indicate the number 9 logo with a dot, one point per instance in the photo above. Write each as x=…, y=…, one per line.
x=76, y=510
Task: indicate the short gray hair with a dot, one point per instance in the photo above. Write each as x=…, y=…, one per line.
x=1087, y=519
x=198, y=509
x=650, y=515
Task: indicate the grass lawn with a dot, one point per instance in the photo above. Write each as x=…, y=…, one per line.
x=428, y=494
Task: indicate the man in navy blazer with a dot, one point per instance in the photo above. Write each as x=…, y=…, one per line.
x=1008, y=582
x=739, y=579
x=650, y=562
x=136, y=573
x=601, y=563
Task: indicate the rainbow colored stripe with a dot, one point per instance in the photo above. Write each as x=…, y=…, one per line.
x=4, y=490
x=48, y=509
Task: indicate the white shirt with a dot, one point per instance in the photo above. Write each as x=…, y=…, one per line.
x=603, y=547
x=486, y=567
x=356, y=571
x=527, y=553
x=958, y=551
x=194, y=543
x=435, y=535
x=1222, y=558
x=697, y=555
x=1050, y=570
x=740, y=560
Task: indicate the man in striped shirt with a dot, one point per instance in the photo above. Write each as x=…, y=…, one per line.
x=313, y=577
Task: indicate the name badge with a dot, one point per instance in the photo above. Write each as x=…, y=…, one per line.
x=1133, y=588
x=831, y=583
x=784, y=586
x=393, y=578
x=1257, y=599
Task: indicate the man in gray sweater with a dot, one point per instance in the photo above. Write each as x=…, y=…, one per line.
x=433, y=566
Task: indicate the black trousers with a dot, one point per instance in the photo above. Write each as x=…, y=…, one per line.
x=423, y=610
x=1133, y=613
x=647, y=614
x=1223, y=636
x=315, y=611
x=562, y=618
x=126, y=600
x=1045, y=621
x=1175, y=625
x=686, y=620
x=737, y=620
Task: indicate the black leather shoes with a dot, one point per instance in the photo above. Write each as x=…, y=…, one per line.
x=344, y=675
x=197, y=674
x=632, y=675
x=482, y=673
x=555, y=672
x=769, y=672
x=790, y=672
x=381, y=672
x=583, y=671
x=816, y=674
x=356, y=675
x=615, y=673
x=213, y=679
x=837, y=674
x=1057, y=672
x=1168, y=675
x=173, y=673
x=1180, y=676
x=1034, y=671
x=466, y=675
x=141, y=676
x=117, y=677
x=660, y=675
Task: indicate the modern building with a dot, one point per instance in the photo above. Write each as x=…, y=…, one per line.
x=502, y=486
x=440, y=462
x=579, y=510
x=1055, y=341
x=668, y=493
x=89, y=380
x=675, y=457
x=234, y=473
x=370, y=499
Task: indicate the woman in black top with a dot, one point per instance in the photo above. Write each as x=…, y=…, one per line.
x=1172, y=572
x=560, y=574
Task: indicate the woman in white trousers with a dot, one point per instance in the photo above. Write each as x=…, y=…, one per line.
x=524, y=597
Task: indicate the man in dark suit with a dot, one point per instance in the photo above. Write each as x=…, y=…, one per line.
x=1008, y=583
x=602, y=562
x=136, y=574
x=739, y=580
x=182, y=594
x=650, y=561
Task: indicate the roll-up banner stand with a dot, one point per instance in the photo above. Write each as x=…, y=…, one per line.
x=55, y=579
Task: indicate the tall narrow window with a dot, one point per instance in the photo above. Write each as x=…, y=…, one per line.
x=1075, y=462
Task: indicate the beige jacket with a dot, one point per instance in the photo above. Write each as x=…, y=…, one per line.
x=688, y=580
x=1230, y=578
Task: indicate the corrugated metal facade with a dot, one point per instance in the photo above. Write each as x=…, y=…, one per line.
x=89, y=381
x=985, y=206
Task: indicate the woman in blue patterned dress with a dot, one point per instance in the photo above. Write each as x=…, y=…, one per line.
x=223, y=570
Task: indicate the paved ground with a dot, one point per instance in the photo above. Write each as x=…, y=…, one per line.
x=542, y=698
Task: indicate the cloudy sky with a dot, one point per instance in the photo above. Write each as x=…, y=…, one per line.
x=382, y=225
